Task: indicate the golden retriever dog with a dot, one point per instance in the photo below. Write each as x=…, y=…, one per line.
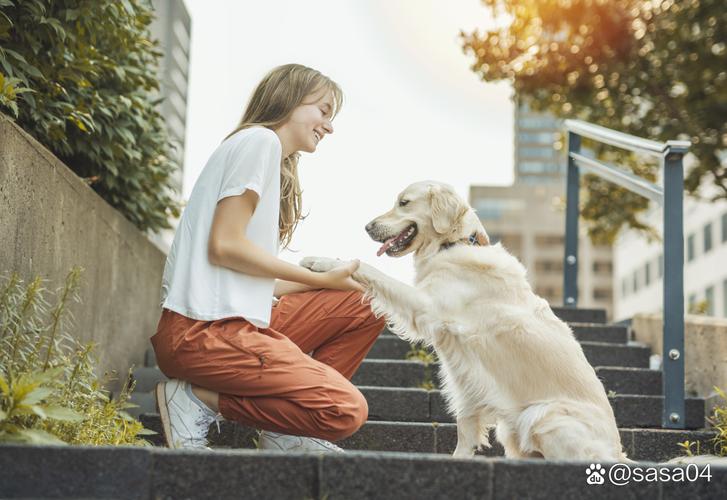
x=506, y=360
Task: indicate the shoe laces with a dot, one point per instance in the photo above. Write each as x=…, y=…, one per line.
x=204, y=420
x=327, y=444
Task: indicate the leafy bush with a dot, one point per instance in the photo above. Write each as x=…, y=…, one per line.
x=49, y=392
x=78, y=75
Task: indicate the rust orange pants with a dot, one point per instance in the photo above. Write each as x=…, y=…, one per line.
x=264, y=376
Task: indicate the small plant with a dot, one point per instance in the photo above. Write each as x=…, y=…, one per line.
x=718, y=419
x=428, y=357
x=687, y=446
x=699, y=308
x=49, y=392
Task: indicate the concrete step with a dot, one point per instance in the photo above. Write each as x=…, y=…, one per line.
x=145, y=401
x=594, y=332
x=419, y=405
x=414, y=373
x=423, y=437
x=139, y=473
x=597, y=353
x=411, y=404
x=396, y=373
x=580, y=315
x=146, y=378
x=630, y=380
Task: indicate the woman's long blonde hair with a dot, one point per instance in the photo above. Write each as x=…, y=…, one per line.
x=271, y=104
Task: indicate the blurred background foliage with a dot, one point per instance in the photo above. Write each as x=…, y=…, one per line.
x=655, y=69
x=80, y=76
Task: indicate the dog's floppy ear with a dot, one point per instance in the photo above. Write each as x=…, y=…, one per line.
x=482, y=238
x=446, y=209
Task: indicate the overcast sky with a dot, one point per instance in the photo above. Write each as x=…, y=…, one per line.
x=413, y=109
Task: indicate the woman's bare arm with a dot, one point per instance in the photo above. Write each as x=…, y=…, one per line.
x=228, y=247
x=283, y=287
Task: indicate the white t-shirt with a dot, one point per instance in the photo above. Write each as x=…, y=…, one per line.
x=191, y=285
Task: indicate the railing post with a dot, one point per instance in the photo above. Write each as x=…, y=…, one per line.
x=673, y=415
x=570, y=263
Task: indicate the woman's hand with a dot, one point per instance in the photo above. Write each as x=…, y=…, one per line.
x=340, y=278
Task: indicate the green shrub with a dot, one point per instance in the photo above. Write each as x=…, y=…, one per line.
x=49, y=392
x=78, y=75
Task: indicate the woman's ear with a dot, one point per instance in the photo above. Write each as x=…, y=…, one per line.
x=446, y=209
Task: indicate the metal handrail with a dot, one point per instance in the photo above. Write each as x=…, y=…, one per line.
x=671, y=196
x=624, y=141
x=625, y=179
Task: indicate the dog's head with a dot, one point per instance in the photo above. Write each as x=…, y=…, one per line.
x=426, y=214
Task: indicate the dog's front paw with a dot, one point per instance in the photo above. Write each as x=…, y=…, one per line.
x=321, y=264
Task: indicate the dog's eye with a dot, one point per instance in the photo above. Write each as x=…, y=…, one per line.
x=403, y=203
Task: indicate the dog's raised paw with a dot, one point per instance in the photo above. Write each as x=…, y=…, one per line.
x=320, y=264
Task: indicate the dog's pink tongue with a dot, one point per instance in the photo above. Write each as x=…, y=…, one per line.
x=386, y=245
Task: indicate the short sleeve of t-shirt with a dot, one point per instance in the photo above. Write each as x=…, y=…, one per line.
x=251, y=163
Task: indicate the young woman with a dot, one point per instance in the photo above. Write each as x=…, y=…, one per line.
x=230, y=352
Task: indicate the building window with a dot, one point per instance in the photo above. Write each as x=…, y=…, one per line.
x=709, y=299
x=534, y=152
x=660, y=265
x=549, y=240
x=549, y=266
x=602, y=267
x=692, y=302
x=548, y=293
x=537, y=167
x=647, y=274
x=537, y=122
x=707, y=237
x=625, y=289
x=690, y=248
x=537, y=137
x=724, y=230
x=635, y=279
x=602, y=293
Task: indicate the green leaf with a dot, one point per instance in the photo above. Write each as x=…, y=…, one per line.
x=36, y=395
x=64, y=414
x=146, y=432
x=38, y=436
x=4, y=386
x=38, y=410
x=129, y=8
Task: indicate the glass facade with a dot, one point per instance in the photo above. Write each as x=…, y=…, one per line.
x=536, y=135
x=707, y=237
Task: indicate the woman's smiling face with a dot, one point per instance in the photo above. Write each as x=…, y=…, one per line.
x=308, y=123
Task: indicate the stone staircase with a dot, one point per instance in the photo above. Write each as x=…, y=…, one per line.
x=404, y=417
x=402, y=451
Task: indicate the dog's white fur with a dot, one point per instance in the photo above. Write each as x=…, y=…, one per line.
x=506, y=359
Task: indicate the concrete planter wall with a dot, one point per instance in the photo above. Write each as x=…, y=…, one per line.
x=50, y=220
x=705, y=346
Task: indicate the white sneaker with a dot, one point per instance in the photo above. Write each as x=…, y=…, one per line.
x=185, y=423
x=284, y=442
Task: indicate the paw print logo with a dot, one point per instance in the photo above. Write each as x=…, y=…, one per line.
x=595, y=474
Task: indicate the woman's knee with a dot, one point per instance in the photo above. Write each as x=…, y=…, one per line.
x=346, y=417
